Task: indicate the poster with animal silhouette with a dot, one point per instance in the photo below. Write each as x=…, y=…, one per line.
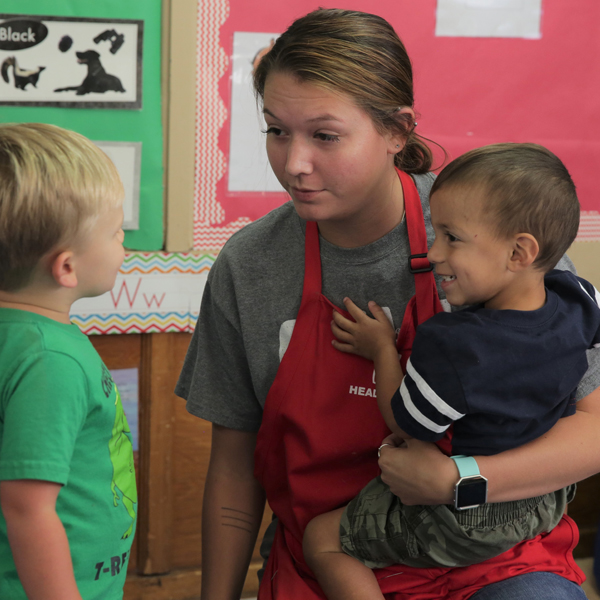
x=70, y=61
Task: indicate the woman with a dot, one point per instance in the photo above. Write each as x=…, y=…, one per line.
x=337, y=98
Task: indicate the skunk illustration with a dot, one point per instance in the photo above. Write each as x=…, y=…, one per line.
x=97, y=80
x=22, y=77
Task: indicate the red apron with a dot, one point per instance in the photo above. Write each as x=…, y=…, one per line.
x=317, y=448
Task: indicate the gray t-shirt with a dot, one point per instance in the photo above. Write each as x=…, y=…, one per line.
x=252, y=297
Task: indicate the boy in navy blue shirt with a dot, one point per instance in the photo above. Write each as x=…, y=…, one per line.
x=492, y=376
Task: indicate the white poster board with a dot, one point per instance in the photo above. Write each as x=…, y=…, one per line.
x=249, y=168
x=489, y=18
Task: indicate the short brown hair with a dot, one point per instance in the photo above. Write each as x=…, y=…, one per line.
x=527, y=190
x=53, y=184
x=357, y=54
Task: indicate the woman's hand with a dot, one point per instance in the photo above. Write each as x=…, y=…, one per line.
x=417, y=472
x=365, y=336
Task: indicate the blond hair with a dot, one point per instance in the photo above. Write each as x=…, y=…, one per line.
x=54, y=183
x=357, y=54
x=526, y=189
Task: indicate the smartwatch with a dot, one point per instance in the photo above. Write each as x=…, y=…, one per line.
x=471, y=488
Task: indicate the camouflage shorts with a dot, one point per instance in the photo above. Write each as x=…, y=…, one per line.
x=377, y=529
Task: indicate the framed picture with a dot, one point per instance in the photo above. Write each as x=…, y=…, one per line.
x=70, y=62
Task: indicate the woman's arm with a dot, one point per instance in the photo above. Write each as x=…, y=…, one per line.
x=232, y=512
x=418, y=473
x=568, y=453
x=37, y=538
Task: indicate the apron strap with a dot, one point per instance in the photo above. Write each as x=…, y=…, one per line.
x=427, y=302
x=312, y=261
x=418, y=264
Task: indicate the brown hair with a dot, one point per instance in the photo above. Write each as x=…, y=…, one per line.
x=357, y=54
x=54, y=183
x=527, y=189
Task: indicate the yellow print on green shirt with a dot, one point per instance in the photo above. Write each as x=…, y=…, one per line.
x=121, y=456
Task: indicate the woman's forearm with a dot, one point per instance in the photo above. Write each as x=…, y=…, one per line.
x=568, y=453
x=232, y=512
x=419, y=473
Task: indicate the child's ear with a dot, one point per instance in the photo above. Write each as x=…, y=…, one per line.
x=524, y=253
x=63, y=269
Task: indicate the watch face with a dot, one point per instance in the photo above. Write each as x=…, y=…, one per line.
x=471, y=492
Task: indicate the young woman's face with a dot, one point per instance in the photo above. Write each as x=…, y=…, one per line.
x=326, y=152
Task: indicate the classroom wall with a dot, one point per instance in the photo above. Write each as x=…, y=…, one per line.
x=179, y=106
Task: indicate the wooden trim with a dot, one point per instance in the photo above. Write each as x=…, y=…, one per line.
x=156, y=419
x=585, y=257
x=118, y=351
x=165, y=60
x=182, y=585
x=180, y=102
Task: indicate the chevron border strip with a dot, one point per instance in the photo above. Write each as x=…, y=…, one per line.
x=136, y=323
x=166, y=262
x=211, y=114
x=589, y=226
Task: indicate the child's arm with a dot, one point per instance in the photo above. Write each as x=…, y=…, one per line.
x=38, y=540
x=374, y=339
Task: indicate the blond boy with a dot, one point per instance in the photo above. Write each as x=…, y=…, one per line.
x=67, y=486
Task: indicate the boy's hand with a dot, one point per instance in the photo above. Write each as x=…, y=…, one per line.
x=364, y=336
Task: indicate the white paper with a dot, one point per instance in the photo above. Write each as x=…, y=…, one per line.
x=141, y=295
x=249, y=168
x=127, y=157
x=489, y=18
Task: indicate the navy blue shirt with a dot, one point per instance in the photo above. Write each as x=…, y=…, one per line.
x=501, y=377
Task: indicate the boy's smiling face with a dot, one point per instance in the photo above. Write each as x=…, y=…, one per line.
x=468, y=255
x=100, y=254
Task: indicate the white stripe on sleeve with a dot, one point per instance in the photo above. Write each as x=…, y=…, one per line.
x=596, y=293
x=430, y=395
x=416, y=414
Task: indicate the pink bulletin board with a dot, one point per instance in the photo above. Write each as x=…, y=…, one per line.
x=469, y=91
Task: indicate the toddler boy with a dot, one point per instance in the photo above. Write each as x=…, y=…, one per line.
x=67, y=484
x=500, y=372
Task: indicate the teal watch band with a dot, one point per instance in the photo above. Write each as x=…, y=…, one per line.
x=467, y=465
x=471, y=488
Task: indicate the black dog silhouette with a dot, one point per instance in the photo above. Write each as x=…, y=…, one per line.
x=97, y=80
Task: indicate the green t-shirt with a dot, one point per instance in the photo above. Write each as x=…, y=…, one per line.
x=61, y=420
